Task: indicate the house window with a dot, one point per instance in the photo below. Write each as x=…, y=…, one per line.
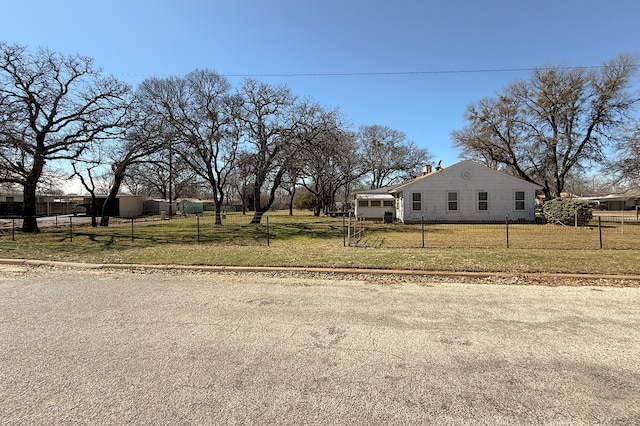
x=387, y=203
x=452, y=201
x=363, y=203
x=519, y=197
x=375, y=203
x=483, y=200
x=417, y=201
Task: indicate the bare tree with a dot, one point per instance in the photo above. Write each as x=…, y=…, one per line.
x=542, y=129
x=625, y=165
x=53, y=106
x=240, y=181
x=388, y=157
x=202, y=113
x=84, y=169
x=144, y=137
x=325, y=153
x=289, y=184
x=268, y=125
x=151, y=177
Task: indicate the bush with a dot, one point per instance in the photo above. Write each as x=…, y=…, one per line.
x=564, y=210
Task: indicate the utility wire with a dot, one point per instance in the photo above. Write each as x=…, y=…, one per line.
x=402, y=73
x=474, y=71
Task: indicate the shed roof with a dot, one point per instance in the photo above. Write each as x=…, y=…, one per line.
x=365, y=196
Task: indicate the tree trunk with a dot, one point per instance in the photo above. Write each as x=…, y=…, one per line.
x=317, y=208
x=113, y=193
x=257, y=216
x=29, y=217
x=94, y=213
x=218, y=204
x=30, y=222
x=292, y=195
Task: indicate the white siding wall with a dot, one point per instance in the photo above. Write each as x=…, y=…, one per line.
x=375, y=212
x=468, y=179
x=400, y=205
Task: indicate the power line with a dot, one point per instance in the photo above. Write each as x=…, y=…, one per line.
x=395, y=73
x=384, y=73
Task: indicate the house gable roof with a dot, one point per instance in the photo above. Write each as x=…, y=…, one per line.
x=465, y=167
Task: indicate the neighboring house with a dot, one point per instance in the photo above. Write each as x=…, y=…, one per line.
x=50, y=205
x=130, y=205
x=465, y=192
x=186, y=206
x=628, y=200
x=11, y=197
x=125, y=205
x=160, y=207
x=375, y=204
x=12, y=204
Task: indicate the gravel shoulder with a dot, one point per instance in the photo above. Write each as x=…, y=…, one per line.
x=372, y=276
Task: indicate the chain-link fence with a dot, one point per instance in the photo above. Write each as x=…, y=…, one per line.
x=602, y=232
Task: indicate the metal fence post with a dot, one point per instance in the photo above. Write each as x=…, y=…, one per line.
x=507, y=225
x=349, y=231
x=344, y=233
x=132, y=236
x=600, y=230
x=268, y=236
x=422, y=223
x=198, y=223
x=13, y=230
x=71, y=228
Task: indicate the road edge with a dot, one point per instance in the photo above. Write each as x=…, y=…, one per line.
x=314, y=270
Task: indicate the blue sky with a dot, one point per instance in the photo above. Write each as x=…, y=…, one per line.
x=429, y=49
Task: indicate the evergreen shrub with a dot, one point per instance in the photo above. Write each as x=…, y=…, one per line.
x=563, y=211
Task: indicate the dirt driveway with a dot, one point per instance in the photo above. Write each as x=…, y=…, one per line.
x=168, y=347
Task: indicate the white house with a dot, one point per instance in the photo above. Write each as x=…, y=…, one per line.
x=465, y=192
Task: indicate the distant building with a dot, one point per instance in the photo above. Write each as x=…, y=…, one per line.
x=628, y=200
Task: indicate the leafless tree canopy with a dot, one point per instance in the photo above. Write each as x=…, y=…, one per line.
x=558, y=121
x=204, y=117
x=52, y=107
x=388, y=157
x=625, y=166
x=326, y=157
x=250, y=143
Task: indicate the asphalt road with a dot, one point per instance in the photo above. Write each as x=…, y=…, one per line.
x=116, y=347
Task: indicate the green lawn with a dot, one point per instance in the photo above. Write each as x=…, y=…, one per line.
x=307, y=241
